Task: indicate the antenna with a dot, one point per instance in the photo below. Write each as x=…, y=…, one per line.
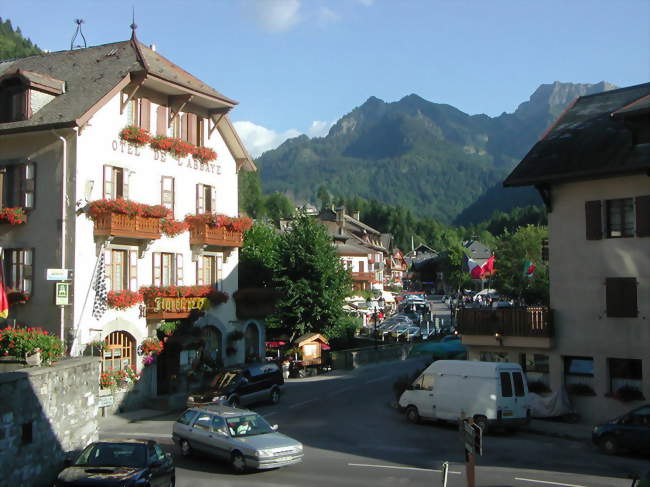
x=133, y=24
x=78, y=32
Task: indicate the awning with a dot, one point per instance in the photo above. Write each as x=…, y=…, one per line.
x=274, y=344
x=324, y=346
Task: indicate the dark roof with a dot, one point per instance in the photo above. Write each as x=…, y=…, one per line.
x=477, y=250
x=90, y=74
x=587, y=142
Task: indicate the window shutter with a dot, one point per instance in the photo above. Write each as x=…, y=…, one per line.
x=620, y=297
x=126, y=174
x=161, y=120
x=593, y=220
x=179, y=269
x=199, y=271
x=133, y=270
x=643, y=216
x=167, y=192
x=108, y=182
x=108, y=269
x=200, y=128
x=213, y=199
x=157, y=272
x=184, y=131
x=219, y=283
x=200, y=199
x=28, y=266
x=145, y=114
x=29, y=185
x=191, y=128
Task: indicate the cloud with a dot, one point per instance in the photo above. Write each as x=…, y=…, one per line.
x=275, y=15
x=326, y=16
x=258, y=139
x=319, y=128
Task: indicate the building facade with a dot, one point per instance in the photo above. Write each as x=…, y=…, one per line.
x=69, y=164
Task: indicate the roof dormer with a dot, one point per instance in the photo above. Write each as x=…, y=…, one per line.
x=23, y=93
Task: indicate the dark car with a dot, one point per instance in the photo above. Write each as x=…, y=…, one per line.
x=242, y=386
x=628, y=432
x=118, y=463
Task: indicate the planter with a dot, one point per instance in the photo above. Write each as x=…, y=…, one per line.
x=121, y=225
x=34, y=359
x=204, y=234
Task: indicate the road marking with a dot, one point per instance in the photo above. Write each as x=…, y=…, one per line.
x=398, y=468
x=302, y=403
x=136, y=434
x=549, y=482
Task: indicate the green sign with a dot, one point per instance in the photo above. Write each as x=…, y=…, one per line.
x=62, y=294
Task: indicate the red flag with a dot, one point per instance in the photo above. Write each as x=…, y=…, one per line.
x=488, y=267
x=4, y=302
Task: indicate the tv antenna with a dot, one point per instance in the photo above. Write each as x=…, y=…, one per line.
x=78, y=32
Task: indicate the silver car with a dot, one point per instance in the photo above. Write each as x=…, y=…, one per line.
x=239, y=436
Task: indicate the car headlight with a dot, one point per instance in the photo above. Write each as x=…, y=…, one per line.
x=264, y=453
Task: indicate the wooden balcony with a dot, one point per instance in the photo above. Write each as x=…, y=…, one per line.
x=132, y=227
x=216, y=236
x=524, y=328
x=363, y=276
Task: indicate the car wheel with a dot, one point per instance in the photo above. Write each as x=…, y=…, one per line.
x=609, y=445
x=275, y=395
x=186, y=449
x=238, y=463
x=482, y=422
x=412, y=414
x=234, y=402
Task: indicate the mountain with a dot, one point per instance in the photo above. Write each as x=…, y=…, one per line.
x=429, y=157
x=13, y=44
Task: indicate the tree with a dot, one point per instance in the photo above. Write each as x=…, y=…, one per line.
x=511, y=252
x=454, y=258
x=311, y=281
x=324, y=197
x=258, y=260
x=278, y=206
x=251, y=199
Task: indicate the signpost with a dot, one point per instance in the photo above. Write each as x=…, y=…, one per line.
x=58, y=274
x=62, y=297
x=472, y=437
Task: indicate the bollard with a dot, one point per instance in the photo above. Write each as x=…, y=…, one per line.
x=445, y=471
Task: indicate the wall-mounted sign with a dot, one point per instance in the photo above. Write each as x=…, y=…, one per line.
x=58, y=274
x=62, y=296
x=124, y=148
x=104, y=401
x=162, y=307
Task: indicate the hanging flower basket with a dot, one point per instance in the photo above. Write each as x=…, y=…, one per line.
x=13, y=216
x=151, y=346
x=123, y=299
x=135, y=135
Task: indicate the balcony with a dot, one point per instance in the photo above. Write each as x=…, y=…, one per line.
x=204, y=234
x=125, y=226
x=530, y=326
x=363, y=276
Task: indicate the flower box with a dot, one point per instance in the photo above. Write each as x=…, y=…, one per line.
x=123, y=225
x=204, y=234
x=12, y=216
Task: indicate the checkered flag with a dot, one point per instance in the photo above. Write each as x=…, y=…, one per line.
x=101, y=301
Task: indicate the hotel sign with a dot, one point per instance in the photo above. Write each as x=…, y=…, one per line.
x=189, y=162
x=168, y=308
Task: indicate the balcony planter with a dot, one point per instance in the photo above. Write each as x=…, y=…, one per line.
x=123, y=299
x=217, y=230
x=135, y=136
x=15, y=296
x=12, y=216
x=125, y=218
x=34, y=359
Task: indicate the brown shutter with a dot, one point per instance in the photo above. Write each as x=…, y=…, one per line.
x=145, y=114
x=157, y=272
x=200, y=199
x=620, y=297
x=133, y=270
x=191, y=128
x=643, y=216
x=199, y=271
x=593, y=220
x=108, y=269
x=179, y=269
x=184, y=131
x=108, y=182
x=161, y=120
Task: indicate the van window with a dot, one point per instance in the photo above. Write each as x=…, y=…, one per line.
x=519, y=384
x=427, y=382
x=417, y=383
x=506, y=385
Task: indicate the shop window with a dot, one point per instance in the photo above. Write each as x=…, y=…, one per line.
x=18, y=185
x=625, y=373
x=119, y=351
x=167, y=269
x=205, y=199
x=621, y=297
x=116, y=183
x=19, y=269
x=121, y=267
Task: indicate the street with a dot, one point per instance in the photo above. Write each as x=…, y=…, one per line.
x=352, y=436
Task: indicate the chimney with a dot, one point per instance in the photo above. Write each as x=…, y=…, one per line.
x=340, y=217
x=356, y=214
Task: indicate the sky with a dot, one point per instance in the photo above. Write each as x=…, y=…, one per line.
x=297, y=66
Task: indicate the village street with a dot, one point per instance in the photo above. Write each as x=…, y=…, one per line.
x=352, y=436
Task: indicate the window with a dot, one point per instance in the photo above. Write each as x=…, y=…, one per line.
x=119, y=351
x=167, y=269
x=203, y=422
x=518, y=380
x=205, y=199
x=620, y=296
x=428, y=381
x=121, y=267
x=208, y=270
x=506, y=385
x=17, y=185
x=14, y=101
x=139, y=113
x=186, y=417
x=620, y=218
x=624, y=372
x=219, y=424
x=116, y=183
x=167, y=192
x=18, y=269
x=578, y=371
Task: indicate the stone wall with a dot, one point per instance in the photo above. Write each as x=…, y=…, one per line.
x=45, y=412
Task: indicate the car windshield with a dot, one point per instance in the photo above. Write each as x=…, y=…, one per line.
x=247, y=425
x=113, y=455
x=224, y=379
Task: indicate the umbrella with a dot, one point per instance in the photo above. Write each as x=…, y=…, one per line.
x=274, y=344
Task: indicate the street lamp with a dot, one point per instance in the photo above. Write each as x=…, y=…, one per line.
x=380, y=304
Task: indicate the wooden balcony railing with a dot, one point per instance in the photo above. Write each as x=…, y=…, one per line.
x=363, y=276
x=120, y=225
x=531, y=321
x=203, y=234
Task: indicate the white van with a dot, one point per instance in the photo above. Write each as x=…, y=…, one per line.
x=493, y=393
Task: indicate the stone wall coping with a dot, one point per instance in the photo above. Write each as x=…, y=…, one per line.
x=7, y=377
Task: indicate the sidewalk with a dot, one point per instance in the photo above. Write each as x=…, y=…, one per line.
x=559, y=429
x=128, y=417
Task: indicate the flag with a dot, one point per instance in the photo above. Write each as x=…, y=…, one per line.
x=475, y=270
x=529, y=269
x=488, y=267
x=101, y=296
x=4, y=302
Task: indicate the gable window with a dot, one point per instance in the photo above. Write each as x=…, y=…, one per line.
x=17, y=185
x=115, y=183
x=167, y=269
x=14, y=101
x=205, y=199
x=18, y=269
x=121, y=269
x=167, y=192
x=209, y=270
x=139, y=113
x=620, y=296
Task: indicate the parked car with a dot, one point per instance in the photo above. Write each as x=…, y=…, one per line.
x=630, y=431
x=492, y=393
x=120, y=462
x=238, y=436
x=411, y=333
x=242, y=386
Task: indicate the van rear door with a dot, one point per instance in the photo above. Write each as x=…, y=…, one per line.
x=512, y=401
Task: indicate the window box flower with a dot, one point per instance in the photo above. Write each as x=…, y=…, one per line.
x=24, y=341
x=204, y=154
x=218, y=230
x=135, y=135
x=16, y=296
x=13, y=216
x=123, y=299
x=126, y=218
x=171, y=228
x=151, y=346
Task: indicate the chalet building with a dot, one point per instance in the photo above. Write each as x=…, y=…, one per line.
x=99, y=199
x=359, y=246
x=592, y=170
x=396, y=268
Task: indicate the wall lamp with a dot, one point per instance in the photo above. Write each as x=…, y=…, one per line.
x=499, y=337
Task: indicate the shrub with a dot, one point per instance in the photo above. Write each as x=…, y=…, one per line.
x=21, y=342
